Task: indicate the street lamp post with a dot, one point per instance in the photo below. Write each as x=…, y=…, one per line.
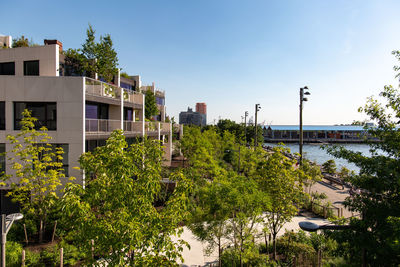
x=257, y=108
x=6, y=223
x=302, y=98
x=245, y=126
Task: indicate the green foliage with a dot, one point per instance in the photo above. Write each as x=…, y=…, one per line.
x=284, y=184
x=125, y=75
x=329, y=166
x=93, y=57
x=13, y=253
x=313, y=173
x=150, y=106
x=377, y=231
x=116, y=209
x=22, y=42
x=37, y=171
x=239, y=130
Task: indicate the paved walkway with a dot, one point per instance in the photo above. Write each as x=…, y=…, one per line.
x=335, y=195
x=195, y=256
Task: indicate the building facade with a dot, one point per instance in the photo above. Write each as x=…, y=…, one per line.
x=190, y=117
x=79, y=112
x=315, y=133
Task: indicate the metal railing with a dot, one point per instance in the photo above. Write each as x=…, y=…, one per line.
x=99, y=88
x=133, y=126
x=165, y=126
x=101, y=126
x=151, y=126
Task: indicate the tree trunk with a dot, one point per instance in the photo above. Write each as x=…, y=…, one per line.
x=219, y=252
x=41, y=231
x=266, y=242
x=274, y=244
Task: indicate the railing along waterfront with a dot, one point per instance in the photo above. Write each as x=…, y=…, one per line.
x=101, y=126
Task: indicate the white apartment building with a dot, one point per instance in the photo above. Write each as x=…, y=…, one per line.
x=79, y=112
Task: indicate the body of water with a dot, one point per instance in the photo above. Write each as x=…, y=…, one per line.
x=315, y=153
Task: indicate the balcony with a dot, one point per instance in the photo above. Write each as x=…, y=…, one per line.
x=98, y=126
x=133, y=97
x=151, y=128
x=105, y=90
x=165, y=127
x=133, y=127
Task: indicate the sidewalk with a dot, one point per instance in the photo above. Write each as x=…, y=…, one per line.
x=335, y=196
x=195, y=256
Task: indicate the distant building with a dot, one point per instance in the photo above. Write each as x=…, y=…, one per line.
x=192, y=118
x=201, y=108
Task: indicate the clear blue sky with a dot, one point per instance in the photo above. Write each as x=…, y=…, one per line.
x=233, y=54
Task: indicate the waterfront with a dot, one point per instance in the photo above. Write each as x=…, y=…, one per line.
x=314, y=152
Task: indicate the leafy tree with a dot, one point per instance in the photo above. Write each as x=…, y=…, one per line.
x=314, y=174
x=107, y=60
x=277, y=176
x=377, y=232
x=210, y=214
x=22, y=42
x=37, y=169
x=125, y=75
x=150, y=106
x=93, y=57
x=116, y=209
x=239, y=130
x=329, y=166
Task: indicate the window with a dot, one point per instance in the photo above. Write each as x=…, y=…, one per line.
x=2, y=116
x=92, y=144
x=45, y=112
x=96, y=111
x=2, y=158
x=7, y=68
x=31, y=68
x=128, y=114
x=160, y=101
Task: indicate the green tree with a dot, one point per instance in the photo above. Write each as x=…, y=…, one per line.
x=209, y=216
x=376, y=232
x=22, y=42
x=116, y=209
x=313, y=171
x=150, y=106
x=37, y=169
x=329, y=166
x=93, y=57
x=277, y=176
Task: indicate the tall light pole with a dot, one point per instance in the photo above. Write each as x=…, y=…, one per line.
x=302, y=98
x=257, y=108
x=6, y=223
x=245, y=126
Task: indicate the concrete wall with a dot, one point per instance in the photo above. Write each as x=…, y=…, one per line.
x=47, y=55
x=68, y=92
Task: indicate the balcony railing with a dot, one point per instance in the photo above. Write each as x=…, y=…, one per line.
x=151, y=126
x=133, y=126
x=99, y=88
x=165, y=126
x=133, y=97
x=101, y=126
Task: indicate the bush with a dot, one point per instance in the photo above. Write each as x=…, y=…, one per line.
x=13, y=253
